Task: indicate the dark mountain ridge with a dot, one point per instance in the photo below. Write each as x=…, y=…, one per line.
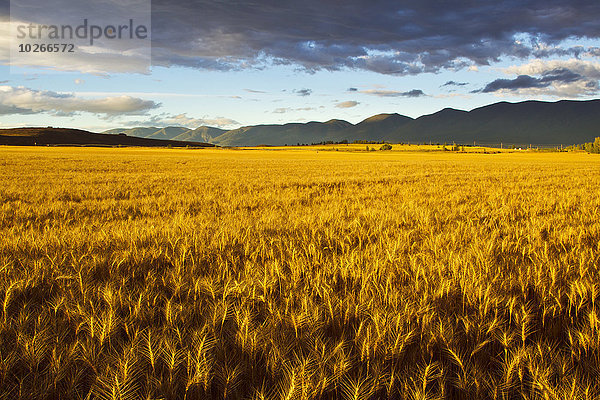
x=563, y=122
x=530, y=122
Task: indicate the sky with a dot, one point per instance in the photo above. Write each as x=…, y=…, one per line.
x=234, y=63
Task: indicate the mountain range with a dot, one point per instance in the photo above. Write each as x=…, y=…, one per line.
x=529, y=122
x=537, y=123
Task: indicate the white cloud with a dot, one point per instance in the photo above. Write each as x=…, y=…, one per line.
x=190, y=122
x=588, y=69
x=184, y=120
x=453, y=95
x=22, y=100
x=283, y=110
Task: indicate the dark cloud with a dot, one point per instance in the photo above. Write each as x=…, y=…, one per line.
x=453, y=83
x=520, y=82
x=413, y=93
x=13, y=110
x=352, y=89
x=303, y=92
x=385, y=36
x=397, y=37
x=527, y=82
x=561, y=75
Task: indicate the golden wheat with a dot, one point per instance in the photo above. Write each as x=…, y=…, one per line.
x=298, y=274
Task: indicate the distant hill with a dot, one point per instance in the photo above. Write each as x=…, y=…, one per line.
x=201, y=134
x=284, y=134
x=66, y=136
x=139, y=132
x=168, y=133
x=377, y=127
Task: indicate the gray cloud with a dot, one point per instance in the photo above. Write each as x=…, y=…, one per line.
x=352, y=89
x=394, y=93
x=14, y=110
x=303, y=92
x=347, y=104
x=384, y=36
x=453, y=83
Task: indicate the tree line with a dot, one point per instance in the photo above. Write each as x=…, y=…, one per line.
x=591, y=147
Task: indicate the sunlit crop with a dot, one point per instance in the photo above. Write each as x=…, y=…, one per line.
x=298, y=274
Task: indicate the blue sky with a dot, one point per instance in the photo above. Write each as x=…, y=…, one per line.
x=397, y=57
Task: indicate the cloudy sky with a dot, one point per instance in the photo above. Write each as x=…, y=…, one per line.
x=232, y=63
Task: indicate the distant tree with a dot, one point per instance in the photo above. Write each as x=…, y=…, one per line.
x=596, y=147
x=593, y=147
x=386, y=146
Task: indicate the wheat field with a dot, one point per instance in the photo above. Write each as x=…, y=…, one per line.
x=298, y=274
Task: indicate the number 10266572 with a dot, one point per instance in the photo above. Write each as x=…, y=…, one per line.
x=46, y=48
